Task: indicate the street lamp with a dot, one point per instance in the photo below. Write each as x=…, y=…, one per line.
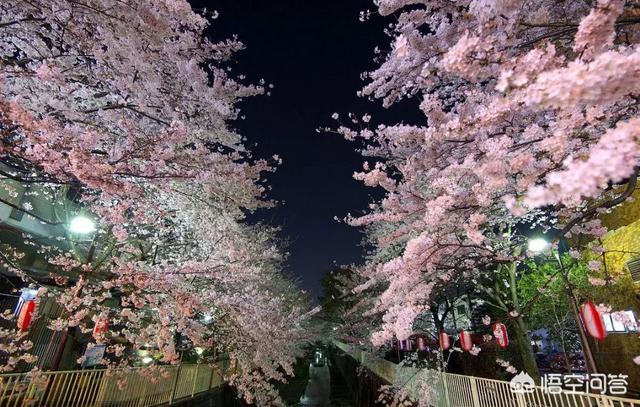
x=82, y=225
x=537, y=245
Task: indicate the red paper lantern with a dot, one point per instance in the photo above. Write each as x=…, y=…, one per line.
x=101, y=326
x=592, y=319
x=445, y=343
x=465, y=341
x=500, y=332
x=421, y=344
x=26, y=315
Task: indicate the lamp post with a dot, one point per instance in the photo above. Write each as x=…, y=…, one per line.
x=537, y=245
x=79, y=225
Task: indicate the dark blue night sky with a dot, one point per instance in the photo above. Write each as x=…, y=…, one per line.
x=313, y=52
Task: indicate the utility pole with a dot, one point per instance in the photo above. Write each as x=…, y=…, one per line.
x=573, y=301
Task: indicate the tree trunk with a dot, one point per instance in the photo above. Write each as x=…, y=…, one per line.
x=563, y=342
x=526, y=350
x=573, y=302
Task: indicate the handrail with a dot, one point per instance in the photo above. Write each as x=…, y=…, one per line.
x=442, y=389
x=113, y=388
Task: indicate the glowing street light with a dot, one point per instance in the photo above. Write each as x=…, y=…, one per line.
x=538, y=244
x=82, y=225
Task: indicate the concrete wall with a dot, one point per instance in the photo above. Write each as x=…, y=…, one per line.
x=417, y=383
x=615, y=354
x=362, y=385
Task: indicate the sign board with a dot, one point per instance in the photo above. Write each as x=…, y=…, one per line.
x=93, y=356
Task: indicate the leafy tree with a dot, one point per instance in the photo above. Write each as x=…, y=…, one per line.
x=548, y=304
x=501, y=290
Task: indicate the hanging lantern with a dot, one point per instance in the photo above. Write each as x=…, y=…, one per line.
x=421, y=344
x=465, y=341
x=400, y=344
x=26, y=315
x=500, y=332
x=409, y=345
x=101, y=326
x=445, y=343
x=592, y=319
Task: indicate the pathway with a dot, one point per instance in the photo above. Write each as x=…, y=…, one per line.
x=318, y=391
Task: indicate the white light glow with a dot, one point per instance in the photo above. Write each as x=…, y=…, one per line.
x=82, y=225
x=146, y=360
x=538, y=244
x=199, y=351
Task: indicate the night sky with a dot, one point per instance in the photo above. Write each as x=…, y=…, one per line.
x=313, y=52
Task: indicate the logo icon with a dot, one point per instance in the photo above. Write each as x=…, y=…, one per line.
x=522, y=383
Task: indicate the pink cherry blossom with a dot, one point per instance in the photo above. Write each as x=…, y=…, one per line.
x=597, y=281
x=529, y=114
x=126, y=105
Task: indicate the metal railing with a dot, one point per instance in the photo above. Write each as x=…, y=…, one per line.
x=100, y=387
x=469, y=391
x=441, y=389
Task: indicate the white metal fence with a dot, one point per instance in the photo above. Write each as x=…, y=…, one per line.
x=452, y=390
x=468, y=391
x=99, y=387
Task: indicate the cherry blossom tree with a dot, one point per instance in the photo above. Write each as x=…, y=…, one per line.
x=530, y=111
x=126, y=106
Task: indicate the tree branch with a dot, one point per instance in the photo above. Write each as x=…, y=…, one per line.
x=10, y=23
x=631, y=186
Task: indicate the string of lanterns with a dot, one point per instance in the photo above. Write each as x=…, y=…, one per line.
x=591, y=317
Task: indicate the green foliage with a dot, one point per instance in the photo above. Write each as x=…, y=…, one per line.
x=546, y=305
x=543, y=293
